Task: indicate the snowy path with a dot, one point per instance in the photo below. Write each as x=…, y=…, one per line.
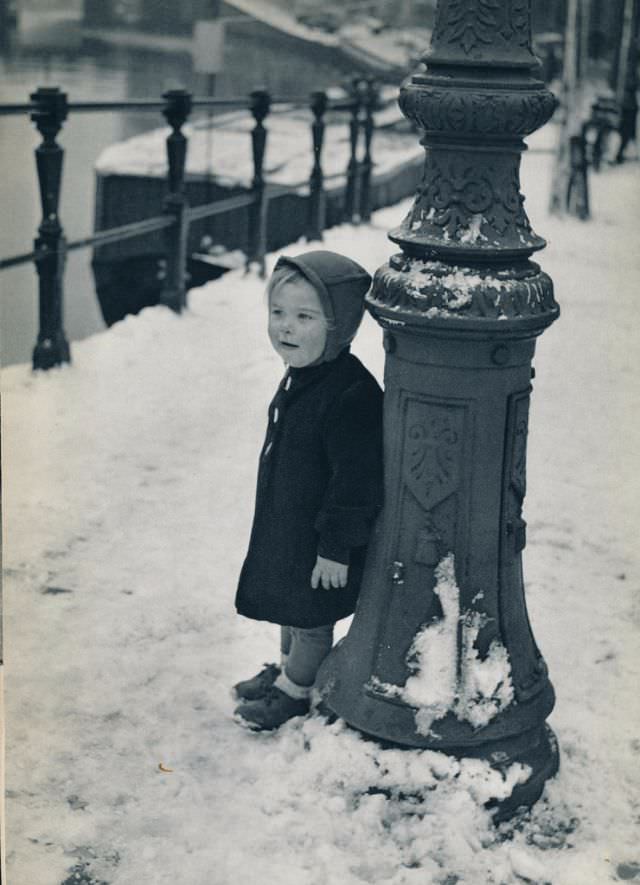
x=128, y=493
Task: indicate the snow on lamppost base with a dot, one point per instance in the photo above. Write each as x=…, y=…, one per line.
x=441, y=654
x=447, y=678
x=482, y=687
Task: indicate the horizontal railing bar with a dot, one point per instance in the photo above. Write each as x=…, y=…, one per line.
x=220, y=102
x=160, y=222
x=123, y=232
x=142, y=104
x=154, y=104
x=7, y=110
x=17, y=260
x=206, y=210
x=138, y=104
x=100, y=238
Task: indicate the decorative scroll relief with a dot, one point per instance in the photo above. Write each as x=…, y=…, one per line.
x=475, y=24
x=519, y=455
x=467, y=112
x=437, y=290
x=516, y=487
x=432, y=450
x=470, y=203
x=530, y=672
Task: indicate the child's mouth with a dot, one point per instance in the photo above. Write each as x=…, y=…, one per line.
x=288, y=344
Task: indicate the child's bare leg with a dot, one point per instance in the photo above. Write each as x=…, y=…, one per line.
x=309, y=647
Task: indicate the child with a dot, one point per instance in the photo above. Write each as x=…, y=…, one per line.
x=319, y=480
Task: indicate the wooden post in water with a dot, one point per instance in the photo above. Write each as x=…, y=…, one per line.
x=259, y=104
x=317, y=205
x=52, y=347
x=176, y=112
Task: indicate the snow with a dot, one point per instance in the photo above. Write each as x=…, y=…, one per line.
x=128, y=487
x=473, y=232
x=434, y=654
x=481, y=690
x=453, y=287
x=485, y=686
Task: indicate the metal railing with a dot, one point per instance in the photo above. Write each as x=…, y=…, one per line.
x=49, y=108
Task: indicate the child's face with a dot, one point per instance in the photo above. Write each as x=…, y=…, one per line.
x=297, y=324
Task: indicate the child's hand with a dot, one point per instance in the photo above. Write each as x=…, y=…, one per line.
x=329, y=573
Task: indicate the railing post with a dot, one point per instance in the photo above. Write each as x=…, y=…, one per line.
x=317, y=203
x=259, y=104
x=578, y=186
x=351, y=193
x=370, y=102
x=52, y=347
x=176, y=112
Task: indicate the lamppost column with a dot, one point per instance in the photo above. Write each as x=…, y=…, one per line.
x=441, y=654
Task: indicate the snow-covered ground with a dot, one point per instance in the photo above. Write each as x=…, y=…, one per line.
x=128, y=484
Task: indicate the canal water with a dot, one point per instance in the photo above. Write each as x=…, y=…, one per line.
x=105, y=72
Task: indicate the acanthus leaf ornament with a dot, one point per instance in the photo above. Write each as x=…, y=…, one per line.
x=483, y=28
x=471, y=22
x=475, y=112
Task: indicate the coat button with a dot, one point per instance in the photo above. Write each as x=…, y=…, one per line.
x=287, y=383
x=276, y=415
x=267, y=450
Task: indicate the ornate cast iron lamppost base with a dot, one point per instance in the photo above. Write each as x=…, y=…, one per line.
x=440, y=654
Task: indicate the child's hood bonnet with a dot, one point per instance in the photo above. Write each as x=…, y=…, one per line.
x=341, y=285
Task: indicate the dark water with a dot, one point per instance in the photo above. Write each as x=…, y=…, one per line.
x=96, y=72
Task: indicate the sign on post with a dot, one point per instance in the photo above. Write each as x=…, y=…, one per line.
x=208, y=46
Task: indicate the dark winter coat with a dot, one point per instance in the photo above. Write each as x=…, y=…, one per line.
x=319, y=490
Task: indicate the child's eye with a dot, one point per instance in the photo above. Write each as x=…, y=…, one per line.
x=275, y=311
x=304, y=316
